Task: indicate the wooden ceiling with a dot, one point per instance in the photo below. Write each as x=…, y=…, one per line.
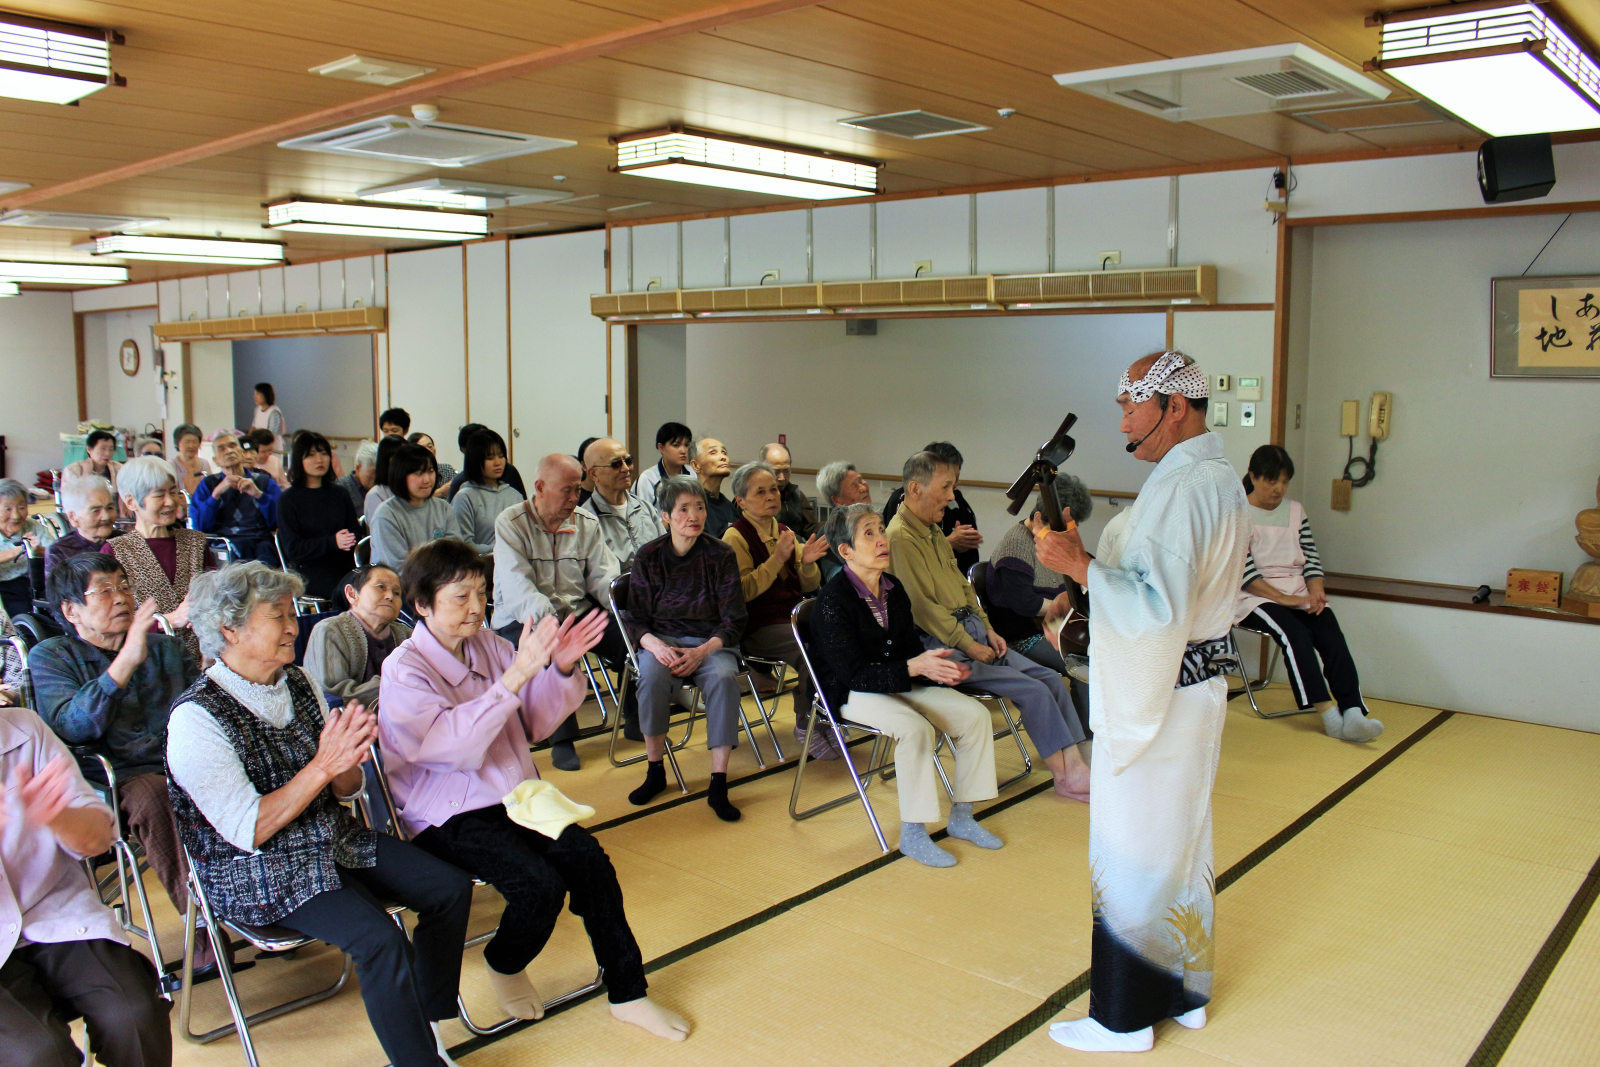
x=201, y=71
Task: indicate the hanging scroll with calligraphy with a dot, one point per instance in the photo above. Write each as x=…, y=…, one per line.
x=1546, y=327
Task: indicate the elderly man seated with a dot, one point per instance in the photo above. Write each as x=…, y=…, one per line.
x=947, y=611
x=363, y=475
x=550, y=559
x=64, y=952
x=627, y=523
x=775, y=571
x=109, y=685
x=686, y=615
x=237, y=502
x=460, y=709
x=345, y=654
x=21, y=535
x=258, y=767
x=840, y=484
x=958, y=522
x=91, y=508
x=710, y=464
x=797, y=512
x=674, y=442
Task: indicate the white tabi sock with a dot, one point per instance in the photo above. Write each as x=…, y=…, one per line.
x=1087, y=1035
x=1194, y=1020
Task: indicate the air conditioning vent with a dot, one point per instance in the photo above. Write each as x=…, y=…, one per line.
x=438, y=144
x=913, y=124
x=1386, y=116
x=1284, y=85
x=62, y=220
x=370, y=71
x=1249, y=81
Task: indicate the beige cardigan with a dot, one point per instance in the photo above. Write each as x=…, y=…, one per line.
x=336, y=654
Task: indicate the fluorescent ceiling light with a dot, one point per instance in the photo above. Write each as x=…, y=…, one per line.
x=450, y=192
x=10, y=289
x=364, y=220
x=188, y=249
x=1505, y=69
x=53, y=62
x=696, y=157
x=63, y=273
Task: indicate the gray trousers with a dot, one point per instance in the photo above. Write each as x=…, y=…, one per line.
x=777, y=642
x=1039, y=693
x=718, y=679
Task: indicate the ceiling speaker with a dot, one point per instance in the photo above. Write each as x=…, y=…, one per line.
x=1516, y=168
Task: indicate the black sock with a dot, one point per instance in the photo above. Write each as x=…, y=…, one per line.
x=718, y=798
x=655, y=780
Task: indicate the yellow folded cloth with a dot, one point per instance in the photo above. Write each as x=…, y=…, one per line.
x=543, y=808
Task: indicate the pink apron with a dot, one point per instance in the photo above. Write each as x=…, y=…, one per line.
x=1276, y=550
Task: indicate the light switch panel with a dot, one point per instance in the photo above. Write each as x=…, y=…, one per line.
x=1249, y=388
x=1247, y=414
x=1219, y=413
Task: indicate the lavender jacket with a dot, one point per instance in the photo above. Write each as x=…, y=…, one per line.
x=455, y=739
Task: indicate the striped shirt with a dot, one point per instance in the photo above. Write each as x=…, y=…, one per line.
x=1308, y=544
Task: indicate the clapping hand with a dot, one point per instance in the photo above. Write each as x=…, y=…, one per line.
x=936, y=666
x=45, y=795
x=814, y=549
x=576, y=637
x=345, y=739
x=784, y=548
x=534, y=647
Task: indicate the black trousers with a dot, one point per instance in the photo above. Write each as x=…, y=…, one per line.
x=1304, y=637
x=406, y=984
x=44, y=987
x=535, y=874
x=17, y=595
x=613, y=651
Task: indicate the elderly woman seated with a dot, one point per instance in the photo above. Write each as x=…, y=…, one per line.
x=686, y=615
x=91, y=508
x=258, y=767
x=21, y=535
x=459, y=709
x=101, y=446
x=345, y=653
x=186, y=458
x=869, y=654
x=159, y=555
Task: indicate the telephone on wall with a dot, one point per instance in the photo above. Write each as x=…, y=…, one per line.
x=1380, y=420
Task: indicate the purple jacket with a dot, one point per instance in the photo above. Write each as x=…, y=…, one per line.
x=455, y=739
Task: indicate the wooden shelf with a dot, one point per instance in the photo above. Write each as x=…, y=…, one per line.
x=1434, y=595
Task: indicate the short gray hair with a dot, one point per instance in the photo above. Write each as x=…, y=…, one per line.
x=228, y=597
x=843, y=523
x=144, y=475
x=921, y=467
x=830, y=479
x=670, y=489
x=10, y=488
x=367, y=454
x=75, y=491
x=742, y=476
x=1073, y=496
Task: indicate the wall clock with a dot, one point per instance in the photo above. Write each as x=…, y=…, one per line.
x=128, y=355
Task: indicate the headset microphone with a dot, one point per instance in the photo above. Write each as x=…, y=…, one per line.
x=1133, y=446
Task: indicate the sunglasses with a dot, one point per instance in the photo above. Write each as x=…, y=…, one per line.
x=616, y=464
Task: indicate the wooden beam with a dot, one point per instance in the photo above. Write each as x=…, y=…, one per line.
x=428, y=89
x=79, y=360
x=1553, y=207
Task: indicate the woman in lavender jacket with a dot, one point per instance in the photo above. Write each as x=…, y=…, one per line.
x=458, y=708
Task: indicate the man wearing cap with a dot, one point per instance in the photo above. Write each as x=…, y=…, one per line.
x=1157, y=696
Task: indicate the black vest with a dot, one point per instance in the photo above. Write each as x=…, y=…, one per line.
x=773, y=606
x=300, y=860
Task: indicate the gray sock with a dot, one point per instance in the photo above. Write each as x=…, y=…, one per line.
x=915, y=842
x=963, y=826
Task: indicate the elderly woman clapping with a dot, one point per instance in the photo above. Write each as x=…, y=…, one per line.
x=258, y=767
x=871, y=665
x=20, y=536
x=458, y=709
x=159, y=556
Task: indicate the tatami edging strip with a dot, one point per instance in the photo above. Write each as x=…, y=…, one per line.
x=993, y=1048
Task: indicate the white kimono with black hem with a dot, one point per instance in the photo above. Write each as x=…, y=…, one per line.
x=1155, y=746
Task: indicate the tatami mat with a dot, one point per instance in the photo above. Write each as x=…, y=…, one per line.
x=1390, y=930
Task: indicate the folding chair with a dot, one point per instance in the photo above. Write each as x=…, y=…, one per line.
x=878, y=762
x=380, y=813
x=302, y=639
x=364, y=551
x=1261, y=683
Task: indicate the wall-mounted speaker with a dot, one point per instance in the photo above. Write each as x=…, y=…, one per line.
x=1516, y=168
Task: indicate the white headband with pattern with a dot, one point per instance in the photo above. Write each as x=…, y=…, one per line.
x=1172, y=373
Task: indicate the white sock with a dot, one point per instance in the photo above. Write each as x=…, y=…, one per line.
x=438, y=1042
x=1087, y=1035
x=1358, y=726
x=1333, y=723
x=1194, y=1020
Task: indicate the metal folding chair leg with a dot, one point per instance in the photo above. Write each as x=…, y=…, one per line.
x=780, y=670
x=1251, y=687
x=506, y=1024
x=1015, y=731
x=859, y=779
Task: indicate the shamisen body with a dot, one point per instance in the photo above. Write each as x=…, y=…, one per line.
x=1159, y=622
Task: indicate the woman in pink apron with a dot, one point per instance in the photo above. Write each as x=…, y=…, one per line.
x=1283, y=598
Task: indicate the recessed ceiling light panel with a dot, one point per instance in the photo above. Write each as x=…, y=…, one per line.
x=54, y=62
x=1248, y=81
x=411, y=140
x=1507, y=69
x=370, y=71
x=66, y=220
x=915, y=125
x=699, y=157
x=63, y=273
x=10, y=289
x=365, y=220
x=188, y=249
x=470, y=196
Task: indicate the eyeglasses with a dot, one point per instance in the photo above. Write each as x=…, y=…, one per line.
x=99, y=592
x=616, y=464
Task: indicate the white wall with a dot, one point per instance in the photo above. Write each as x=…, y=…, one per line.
x=41, y=385
x=114, y=396
x=427, y=344
x=663, y=386
x=1233, y=343
x=210, y=386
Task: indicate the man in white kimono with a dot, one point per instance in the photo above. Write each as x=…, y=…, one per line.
x=1158, y=626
